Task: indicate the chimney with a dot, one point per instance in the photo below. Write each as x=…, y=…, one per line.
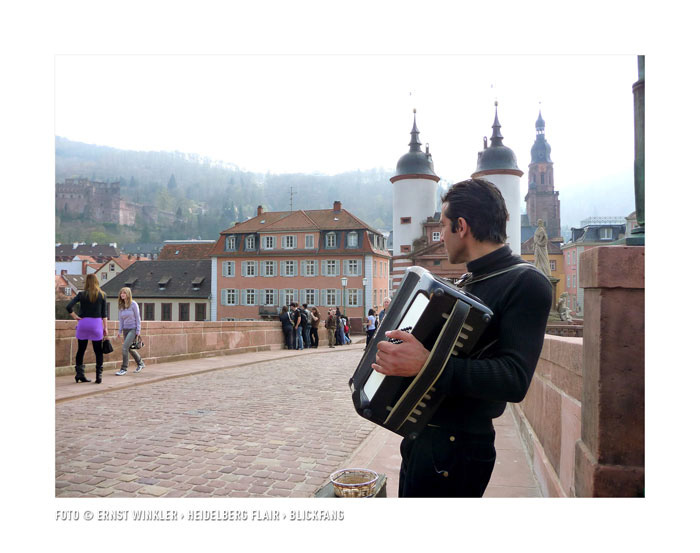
x=337, y=205
x=260, y=210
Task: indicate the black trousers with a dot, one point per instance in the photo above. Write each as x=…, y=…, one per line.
x=96, y=347
x=314, y=337
x=445, y=463
x=288, y=336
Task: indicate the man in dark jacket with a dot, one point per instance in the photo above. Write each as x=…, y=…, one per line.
x=455, y=454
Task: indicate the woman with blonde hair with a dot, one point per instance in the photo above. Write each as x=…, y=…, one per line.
x=130, y=329
x=92, y=325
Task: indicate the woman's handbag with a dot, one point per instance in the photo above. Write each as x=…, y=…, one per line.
x=107, y=346
x=137, y=343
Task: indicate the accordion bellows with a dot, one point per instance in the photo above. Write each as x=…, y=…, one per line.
x=447, y=321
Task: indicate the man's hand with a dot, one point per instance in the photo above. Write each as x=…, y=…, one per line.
x=405, y=359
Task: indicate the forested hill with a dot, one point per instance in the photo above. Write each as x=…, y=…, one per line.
x=209, y=196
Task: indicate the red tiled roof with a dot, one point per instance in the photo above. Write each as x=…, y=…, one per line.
x=186, y=251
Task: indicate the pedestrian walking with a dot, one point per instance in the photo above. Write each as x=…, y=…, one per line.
x=130, y=329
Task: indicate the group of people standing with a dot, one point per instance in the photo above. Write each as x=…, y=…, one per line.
x=92, y=326
x=300, y=326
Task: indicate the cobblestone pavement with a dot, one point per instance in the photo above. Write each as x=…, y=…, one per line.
x=274, y=429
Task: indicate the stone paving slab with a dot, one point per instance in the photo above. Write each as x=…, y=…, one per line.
x=265, y=424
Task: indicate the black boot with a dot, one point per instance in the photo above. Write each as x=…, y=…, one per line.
x=80, y=374
x=98, y=375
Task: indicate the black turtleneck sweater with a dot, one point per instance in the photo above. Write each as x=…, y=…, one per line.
x=478, y=388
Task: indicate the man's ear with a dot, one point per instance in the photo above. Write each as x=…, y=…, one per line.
x=462, y=227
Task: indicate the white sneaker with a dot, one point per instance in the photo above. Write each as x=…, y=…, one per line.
x=120, y=372
x=141, y=366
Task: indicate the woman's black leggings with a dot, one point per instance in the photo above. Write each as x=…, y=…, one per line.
x=96, y=347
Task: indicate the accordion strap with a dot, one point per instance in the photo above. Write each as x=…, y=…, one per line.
x=467, y=278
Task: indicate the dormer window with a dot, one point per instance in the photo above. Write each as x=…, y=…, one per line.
x=230, y=243
x=163, y=282
x=197, y=283
x=352, y=240
x=606, y=233
x=250, y=242
x=331, y=240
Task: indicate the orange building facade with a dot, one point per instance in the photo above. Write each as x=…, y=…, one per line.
x=324, y=258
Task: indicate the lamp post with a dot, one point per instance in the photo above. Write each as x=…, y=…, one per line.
x=364, y=295
x=344, y=283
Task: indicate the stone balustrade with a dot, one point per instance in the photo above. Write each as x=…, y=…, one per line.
x=174, y=341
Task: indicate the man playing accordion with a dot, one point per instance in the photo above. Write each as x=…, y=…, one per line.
x=454, y=455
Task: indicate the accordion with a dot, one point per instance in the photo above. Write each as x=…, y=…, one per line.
x=447, y=321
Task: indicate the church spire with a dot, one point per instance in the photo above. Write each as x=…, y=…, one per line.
x=415, y=142
x=496, y=137
x=539, y=124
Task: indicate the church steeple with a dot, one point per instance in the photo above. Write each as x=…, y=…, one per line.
x=415, y=143
x=496, y=136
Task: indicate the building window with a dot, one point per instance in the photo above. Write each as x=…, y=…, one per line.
x=250, y=242
x=405, y=220
x=249, y=268
x=436, y=236
x=568, y=281
x=269, y=297
x=290, y=268
x=250, y=296
x=230, y=243
x=166, y=311
x=309, y=241
x=288, y=296
x=573, y=281
x=352, y=267
x=228, y=268
x=309, y=296
x=606, y=233
x=331, y=297
x=553, y=265
x=289, y=242
x=541, y=178
x=353, y=297
x=111, y=266
x=405, y=249
x=330, y=240
x=308, y=268
x=268, y=268
x=200, y=311
x=229, y=296
x=330, y=267
x=352, y=240
x=269, y=243
x=149, y=311
x=104, y=276
x=184, y=311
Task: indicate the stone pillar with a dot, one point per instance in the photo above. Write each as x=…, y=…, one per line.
x=610, y=453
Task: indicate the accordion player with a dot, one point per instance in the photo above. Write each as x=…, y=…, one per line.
x=447, y=321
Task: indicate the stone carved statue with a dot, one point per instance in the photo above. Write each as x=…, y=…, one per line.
x=540, y=245
x=563, y=309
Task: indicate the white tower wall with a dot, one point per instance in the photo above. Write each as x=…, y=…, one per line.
x=509, y=185
x=414, y=198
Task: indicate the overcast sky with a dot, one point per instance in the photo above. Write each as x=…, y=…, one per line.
x=332, y=113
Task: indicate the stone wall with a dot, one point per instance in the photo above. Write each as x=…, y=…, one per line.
x=549, y=417
x=174, y=341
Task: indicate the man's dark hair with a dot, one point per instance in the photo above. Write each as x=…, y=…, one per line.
x=481, y=205
x=304, y=305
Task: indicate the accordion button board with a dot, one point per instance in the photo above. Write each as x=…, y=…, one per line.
x=447, y=321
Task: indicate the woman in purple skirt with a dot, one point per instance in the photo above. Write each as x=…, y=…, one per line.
x=92, y=325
